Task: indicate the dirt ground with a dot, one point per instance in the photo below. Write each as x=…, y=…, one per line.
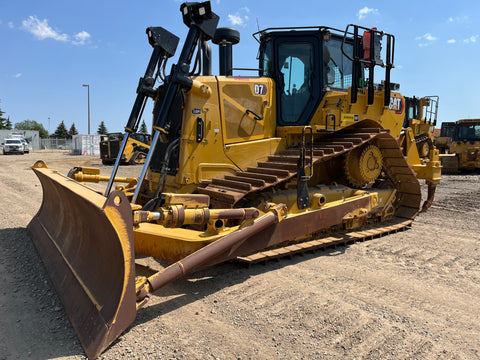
x=410, y=295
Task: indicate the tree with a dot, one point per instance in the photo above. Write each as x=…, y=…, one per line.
x=102, y=129
x=8, y=124
x=32, y=125
x=3, y=121
x=143, y=127
x=72, y=131
x=61, y=131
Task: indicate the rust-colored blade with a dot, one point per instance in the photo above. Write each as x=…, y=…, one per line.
x=86, y=244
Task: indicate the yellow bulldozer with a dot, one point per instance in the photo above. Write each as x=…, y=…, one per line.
x=421, y=117
x=135, y=152
x=444, y=139
x=460, y=145
x=310, y=153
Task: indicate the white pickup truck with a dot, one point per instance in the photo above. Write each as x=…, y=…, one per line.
x=12, y=146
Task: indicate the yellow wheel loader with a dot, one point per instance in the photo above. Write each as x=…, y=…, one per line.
x=303, y=156
x=135, y=152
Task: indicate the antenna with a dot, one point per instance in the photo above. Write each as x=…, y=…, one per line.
x=258, y=26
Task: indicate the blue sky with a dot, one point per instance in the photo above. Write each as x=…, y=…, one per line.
x=50, y=48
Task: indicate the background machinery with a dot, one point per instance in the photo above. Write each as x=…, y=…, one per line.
x=135, y=152
x=247, y=168
x=443, y=141
x=421, y=117
x=460, y=145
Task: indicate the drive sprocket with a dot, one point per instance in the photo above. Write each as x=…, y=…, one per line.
x=363, y=165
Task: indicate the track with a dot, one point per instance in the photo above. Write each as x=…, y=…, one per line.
x=280, y=168
x=392, y=227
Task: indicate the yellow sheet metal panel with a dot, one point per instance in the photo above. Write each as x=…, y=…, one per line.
x=169, y=244
x=246, y=107
x=337, y=112
x=210, y=148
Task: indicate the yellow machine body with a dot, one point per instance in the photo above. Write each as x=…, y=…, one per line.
x=234, y=141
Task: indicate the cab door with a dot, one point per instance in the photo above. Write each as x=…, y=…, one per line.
x=298, y=79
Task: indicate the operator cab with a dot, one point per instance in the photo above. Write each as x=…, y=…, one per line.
x=425, y=108
x=307, y=63
x=467, y=130
x=447, y=129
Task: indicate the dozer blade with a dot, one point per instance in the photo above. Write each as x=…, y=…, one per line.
x=86, y=244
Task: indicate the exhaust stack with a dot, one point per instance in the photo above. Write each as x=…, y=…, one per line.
x=225, y=38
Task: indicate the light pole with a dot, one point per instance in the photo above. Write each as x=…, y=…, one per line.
x=88, y=94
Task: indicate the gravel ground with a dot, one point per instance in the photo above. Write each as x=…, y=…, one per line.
x=410, y=295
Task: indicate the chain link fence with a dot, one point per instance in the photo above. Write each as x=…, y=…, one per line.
x=56, y=144
x=79, y=145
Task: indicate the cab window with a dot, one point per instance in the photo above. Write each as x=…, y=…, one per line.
x=267, y=60
x=337, y=67
x=412, y=112
x=469, y=132
x=296, y=65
